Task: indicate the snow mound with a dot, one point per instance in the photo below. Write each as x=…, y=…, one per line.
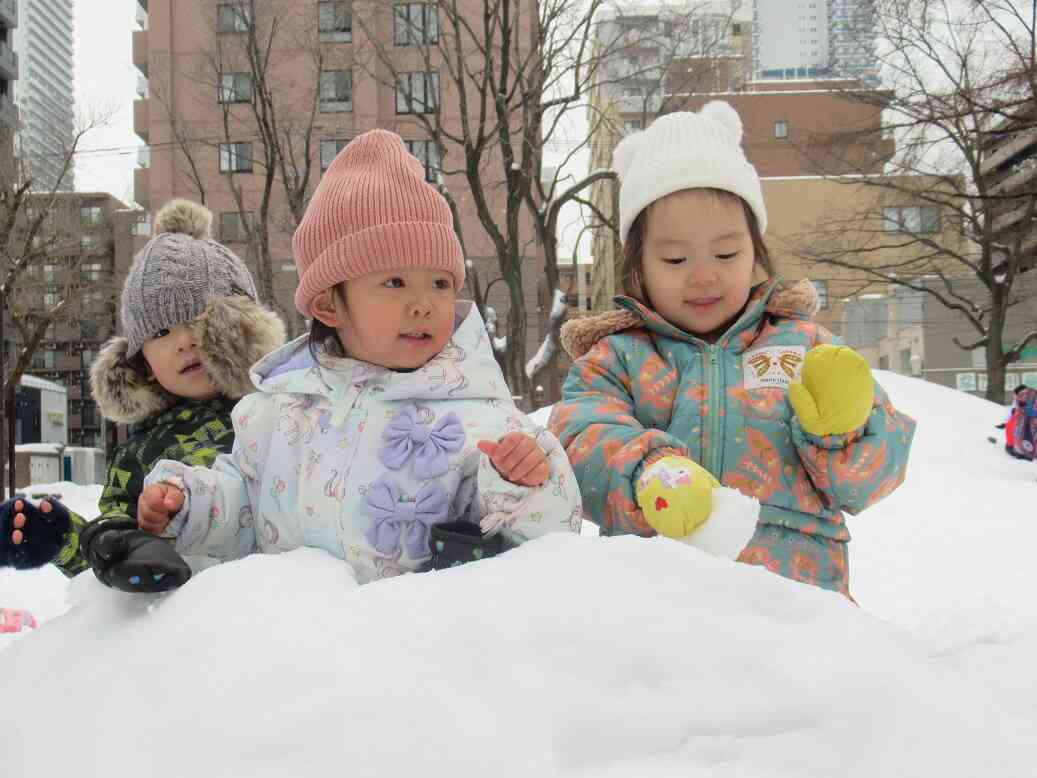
x=679, y=663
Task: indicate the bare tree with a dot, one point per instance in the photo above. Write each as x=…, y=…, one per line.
x=961, y=92
x=36, y=230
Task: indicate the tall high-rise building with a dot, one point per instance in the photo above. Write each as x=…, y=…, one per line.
x=797, y=39
x=851, y=40
x=8, y=74
x=790, y=38
x=43, y=92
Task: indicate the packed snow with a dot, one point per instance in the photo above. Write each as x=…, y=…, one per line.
x=573, y=655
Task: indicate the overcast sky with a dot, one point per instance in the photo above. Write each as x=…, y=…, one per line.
x=105, y=77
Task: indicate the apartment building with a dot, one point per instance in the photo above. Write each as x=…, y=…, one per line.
x=650, y=53
x=1009, y=170
x=80, y=268
x=8, y=77
x=349, y=74
x=43, y=92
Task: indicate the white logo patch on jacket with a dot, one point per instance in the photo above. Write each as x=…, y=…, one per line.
x=772, y=366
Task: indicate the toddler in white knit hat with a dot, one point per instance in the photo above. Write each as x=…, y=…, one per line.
x=712, y=373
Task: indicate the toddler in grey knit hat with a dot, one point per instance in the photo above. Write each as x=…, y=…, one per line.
x=192, y=327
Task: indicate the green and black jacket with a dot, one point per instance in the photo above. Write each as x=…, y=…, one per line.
x=194, y=432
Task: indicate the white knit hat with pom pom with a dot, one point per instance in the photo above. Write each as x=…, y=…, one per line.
x=176, y=274
x=685, y=150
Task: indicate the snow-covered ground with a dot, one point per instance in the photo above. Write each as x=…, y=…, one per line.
x=569, y=656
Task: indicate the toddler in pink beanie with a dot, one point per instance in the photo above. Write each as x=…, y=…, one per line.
x=387, y=436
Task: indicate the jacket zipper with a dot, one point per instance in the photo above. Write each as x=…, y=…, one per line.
x=712, y=462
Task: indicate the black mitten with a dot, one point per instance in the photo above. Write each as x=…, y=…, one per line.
x=132, y=560
x=43, y=535
x=454, y=543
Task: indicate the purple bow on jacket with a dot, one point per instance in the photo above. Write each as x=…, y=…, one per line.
x=411, y=521
x=430, y=445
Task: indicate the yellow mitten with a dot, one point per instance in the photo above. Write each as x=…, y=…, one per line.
x=834, y=393
x=675, y=495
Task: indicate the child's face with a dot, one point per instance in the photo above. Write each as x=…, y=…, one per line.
x=697, y=263
x=398, y=319
x=175, y=364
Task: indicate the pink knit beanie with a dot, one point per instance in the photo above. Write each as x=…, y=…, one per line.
x=373, y=211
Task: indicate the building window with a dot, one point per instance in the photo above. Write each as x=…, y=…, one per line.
x=781, y=129
x=233, y=17
x=142, y=226
x=234, y=226
x=415, y=24
x=914, y=219
x=43, y=360
x=632, y=125
x=91, y=271
x=417, y=92
x=822, y=292
x=335, y=22
x=426, y=151
x=336, y=90
x=235, y=88
x=88, y=242
x=329, y=149
x=90, y=215
x=235, y=157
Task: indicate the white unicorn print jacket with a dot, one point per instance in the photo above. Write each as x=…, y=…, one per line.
x=361, y=461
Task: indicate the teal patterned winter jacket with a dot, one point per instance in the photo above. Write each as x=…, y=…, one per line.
x=642, y=388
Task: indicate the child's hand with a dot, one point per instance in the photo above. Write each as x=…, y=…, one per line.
x=675, y=495
x=32, y=535
x=18, y=534
x=834, y=393
x=518, y=459
x=156, y=504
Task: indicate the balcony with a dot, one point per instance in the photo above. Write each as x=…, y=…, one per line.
x=1010, y=218
x=1023, y=139
x=140, y=50
x=9, y=13
x=142, y=187
x=8, y=62
x=141, y=119
x=1024, y=172
x=8, y=113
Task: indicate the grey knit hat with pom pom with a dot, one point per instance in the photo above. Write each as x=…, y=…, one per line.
x=176, y=274
x=685, y=150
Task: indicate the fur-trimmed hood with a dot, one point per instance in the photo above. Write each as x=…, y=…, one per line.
x=799, y=301
x=230, y=336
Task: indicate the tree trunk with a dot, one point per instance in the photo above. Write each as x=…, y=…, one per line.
x=9, y=443
x=3, y=406
x=996, y=352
